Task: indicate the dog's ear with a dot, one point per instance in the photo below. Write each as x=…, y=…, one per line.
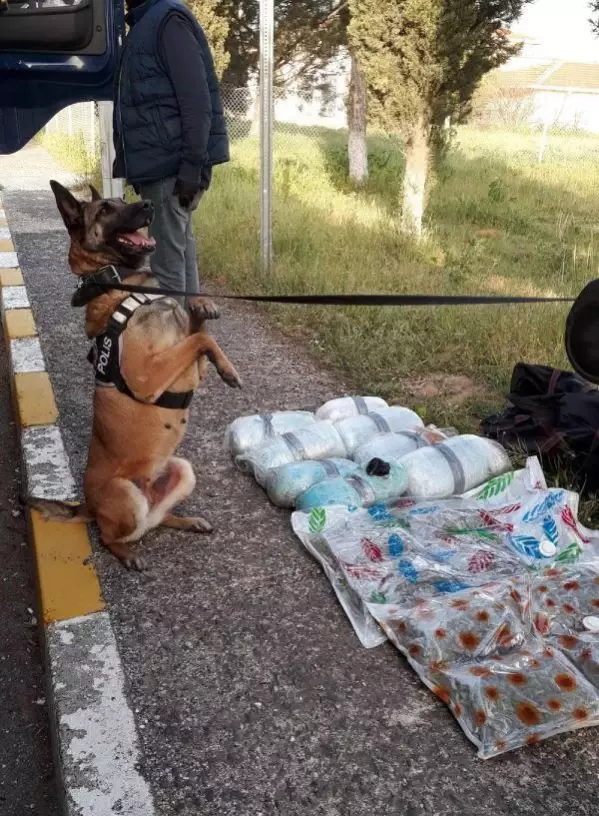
x=68, y=206
x=95, y=194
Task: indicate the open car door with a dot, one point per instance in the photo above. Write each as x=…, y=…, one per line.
x=53, y=53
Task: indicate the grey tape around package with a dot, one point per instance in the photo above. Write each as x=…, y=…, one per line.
x=268, y=426
x=381, y=423
x=417, y=438
x=294, y=445
x=457, y=471
x=330, y=468
x=360, y=404
x=362, y=488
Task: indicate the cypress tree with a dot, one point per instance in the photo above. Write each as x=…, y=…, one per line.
x=423, y=60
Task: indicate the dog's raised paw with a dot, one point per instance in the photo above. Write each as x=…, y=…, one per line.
x=231, y=377
x=204, y=309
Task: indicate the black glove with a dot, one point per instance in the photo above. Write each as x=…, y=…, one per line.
x=186, y=191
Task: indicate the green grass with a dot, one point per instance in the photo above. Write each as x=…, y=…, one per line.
x=497, y=222
x=72, y=153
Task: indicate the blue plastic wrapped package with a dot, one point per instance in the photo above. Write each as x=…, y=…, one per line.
x=248, y=432
x=357, y=490
x=454, y=467
x=355, y=431
x=284, y=484
x=320, y=441
x=344, y=407
x=393, y=446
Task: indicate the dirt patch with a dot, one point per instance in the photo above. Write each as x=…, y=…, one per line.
x=454, y=389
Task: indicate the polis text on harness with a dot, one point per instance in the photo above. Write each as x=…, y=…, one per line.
x=105, y=354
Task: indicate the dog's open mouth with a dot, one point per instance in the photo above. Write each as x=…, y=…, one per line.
x=138, y=240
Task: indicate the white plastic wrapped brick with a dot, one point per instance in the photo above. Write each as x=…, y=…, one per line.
x=453, y=467
x=345, y=407
x=355, y=431
x=393, y=446
x=320, y=441
x=248, y=432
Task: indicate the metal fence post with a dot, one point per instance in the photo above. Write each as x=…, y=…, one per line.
x=111, y=188
x=266, y=127
x=543, y=141
x=92, y=129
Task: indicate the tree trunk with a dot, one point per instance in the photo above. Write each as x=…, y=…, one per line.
x=417, y=152
x=357, y=113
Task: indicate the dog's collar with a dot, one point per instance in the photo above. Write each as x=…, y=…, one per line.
x=92, y=286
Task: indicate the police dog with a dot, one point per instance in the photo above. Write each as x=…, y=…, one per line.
x=132, y=479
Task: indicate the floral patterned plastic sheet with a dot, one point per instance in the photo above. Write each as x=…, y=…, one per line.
x=484, y=594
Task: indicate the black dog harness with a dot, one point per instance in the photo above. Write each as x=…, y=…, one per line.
x=105, y=353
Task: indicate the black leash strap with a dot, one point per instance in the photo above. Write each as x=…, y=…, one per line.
x=344, y=300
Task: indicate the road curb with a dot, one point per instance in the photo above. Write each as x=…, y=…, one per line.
x=93, y=729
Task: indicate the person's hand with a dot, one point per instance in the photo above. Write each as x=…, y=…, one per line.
x=186, y=191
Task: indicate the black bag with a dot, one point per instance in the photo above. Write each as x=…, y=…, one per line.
x=554, y=415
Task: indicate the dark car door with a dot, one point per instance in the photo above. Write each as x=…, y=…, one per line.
x=53, y=53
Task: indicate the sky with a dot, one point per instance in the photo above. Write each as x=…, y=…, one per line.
x=562, y=29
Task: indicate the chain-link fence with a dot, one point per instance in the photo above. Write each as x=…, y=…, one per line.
x=526, y=114
x=77, y=121
x=545, y=129
x=302, y=112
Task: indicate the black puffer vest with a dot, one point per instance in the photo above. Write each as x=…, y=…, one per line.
x=147, y=121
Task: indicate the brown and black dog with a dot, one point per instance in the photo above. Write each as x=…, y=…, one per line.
x=132, y=479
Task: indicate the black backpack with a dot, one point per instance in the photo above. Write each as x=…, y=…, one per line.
x=554, y=415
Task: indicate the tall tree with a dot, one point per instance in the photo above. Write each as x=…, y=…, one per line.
x=216, y=25
x=357, y=121
x=308, y=34
x=423, y=60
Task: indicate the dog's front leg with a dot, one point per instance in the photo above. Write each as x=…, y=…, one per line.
x=221, y=362
x=150, y=375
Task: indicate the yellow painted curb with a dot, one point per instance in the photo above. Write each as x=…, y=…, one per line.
x=19, y=323
x=11, y=277
x=35, y=399
x=68, y=583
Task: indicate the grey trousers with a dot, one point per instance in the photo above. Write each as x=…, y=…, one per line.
x=174, y=262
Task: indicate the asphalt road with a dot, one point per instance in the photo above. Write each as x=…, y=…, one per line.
x=27, y=784
x=252, y=695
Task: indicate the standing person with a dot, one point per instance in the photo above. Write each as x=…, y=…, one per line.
x=169, y=128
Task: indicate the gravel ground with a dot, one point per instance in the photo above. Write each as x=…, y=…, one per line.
x=251, y=693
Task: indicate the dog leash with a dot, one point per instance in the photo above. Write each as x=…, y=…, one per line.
x=344, y=300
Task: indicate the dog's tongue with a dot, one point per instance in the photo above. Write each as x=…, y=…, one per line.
x=139, y=239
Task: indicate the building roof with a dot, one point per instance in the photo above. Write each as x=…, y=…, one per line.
x=576, y=77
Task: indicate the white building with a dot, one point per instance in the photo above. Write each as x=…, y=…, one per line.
x=546, y=92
